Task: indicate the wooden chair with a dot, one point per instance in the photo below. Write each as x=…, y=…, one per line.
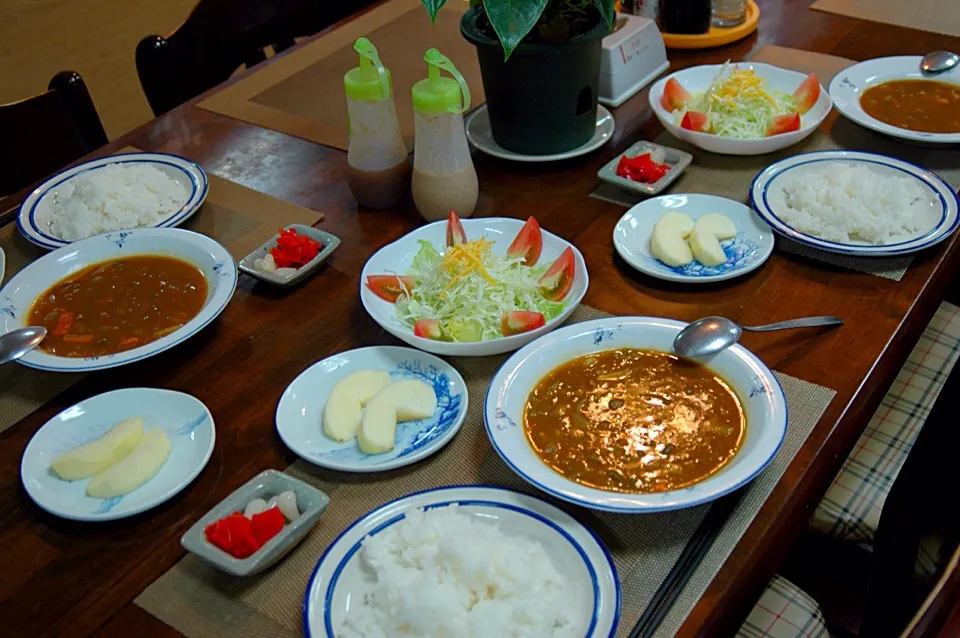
x=221, y=35
x=48, y=131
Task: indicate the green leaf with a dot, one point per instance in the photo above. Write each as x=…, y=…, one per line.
x=513, y=20
x=432, y=6
x=606, y=10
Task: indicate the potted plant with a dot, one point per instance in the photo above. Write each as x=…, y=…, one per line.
x=540, y=64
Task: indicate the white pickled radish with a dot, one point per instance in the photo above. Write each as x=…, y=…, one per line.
x=658, y=155
x=255, y=506
x=287, y=502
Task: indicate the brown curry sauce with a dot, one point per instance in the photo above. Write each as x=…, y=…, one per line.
x=928, y=106
x=633, y=420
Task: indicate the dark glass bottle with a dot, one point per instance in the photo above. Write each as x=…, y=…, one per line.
x=684, y=16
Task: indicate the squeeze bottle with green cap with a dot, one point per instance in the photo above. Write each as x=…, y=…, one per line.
x=378, y=166
x=443, y=173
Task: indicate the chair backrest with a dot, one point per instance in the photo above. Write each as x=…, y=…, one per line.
x=938, y=614
x=46, y=132
x=221, y=35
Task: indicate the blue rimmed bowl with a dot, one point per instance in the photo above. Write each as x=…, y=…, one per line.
x=299, y=415
x=36, y=212
x=760, y=395
x=339, y=581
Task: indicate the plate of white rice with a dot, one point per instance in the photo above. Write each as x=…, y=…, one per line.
x=107, y=194
x=464, y=562
x=855, y=203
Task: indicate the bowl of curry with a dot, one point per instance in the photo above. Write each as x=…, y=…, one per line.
x=605, y=415
x=119, y=297
x=892, y=96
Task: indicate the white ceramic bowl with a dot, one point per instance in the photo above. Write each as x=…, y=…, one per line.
x=760, y=394
x=940, y=218
x=36, y=211
x=745, y=252
x=188, y=425
x=300, y=410
x=339, y=580
x=847, y=86
x=699, y=77
x=397, y=257
x=213, y=260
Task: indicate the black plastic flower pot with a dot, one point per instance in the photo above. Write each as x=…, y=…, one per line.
x=542, y=100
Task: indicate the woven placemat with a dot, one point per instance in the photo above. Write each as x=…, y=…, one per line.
x=236, y=216
x=199, y=601
x=730, y=176
x=301, y=94
x=935, y=16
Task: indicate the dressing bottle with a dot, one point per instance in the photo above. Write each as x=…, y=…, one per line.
x=443, y=173
x=378, y=167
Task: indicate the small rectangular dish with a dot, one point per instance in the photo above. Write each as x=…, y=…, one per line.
x=676, y=159
x=310, y=501
x=328, y=243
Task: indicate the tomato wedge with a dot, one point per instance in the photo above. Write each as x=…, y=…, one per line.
x=784, y=124
x=455, y=233
x=807, y=93
x=674, y=95
x=527, y=243
x=695, y=121
x=388, y=287
x=556, y=282
x=428, y=328
x=519, y=321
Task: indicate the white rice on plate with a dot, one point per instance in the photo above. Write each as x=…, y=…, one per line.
x=444, y=574
x=114, y=197
x=845, y=202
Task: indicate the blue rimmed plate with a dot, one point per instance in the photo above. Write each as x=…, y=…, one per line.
x=300, y=410
x=36, y=211
x=940, y=218
x=188, y=425
x=213, y=260
x=746, y=252
x=760, y=394
x=338, y=581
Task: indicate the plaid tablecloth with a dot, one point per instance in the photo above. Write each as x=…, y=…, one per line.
x=784, y=611
x=851, y=508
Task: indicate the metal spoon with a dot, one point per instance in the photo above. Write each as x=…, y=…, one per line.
x=19, y=342
x=710, y=335
x=939, y=62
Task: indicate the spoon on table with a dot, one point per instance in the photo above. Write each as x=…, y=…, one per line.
x=939, y=62
x=19, y=342
x=710, y=335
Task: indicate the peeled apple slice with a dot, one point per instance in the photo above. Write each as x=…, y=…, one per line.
x=407, y=400
x=706, y=248
x=97, y=455
x=668, y=239
x=137, y=468
x=716, y=224
x=343, y=412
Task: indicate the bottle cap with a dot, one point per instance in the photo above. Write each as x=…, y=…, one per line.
x=371, y=80
x=437, y=93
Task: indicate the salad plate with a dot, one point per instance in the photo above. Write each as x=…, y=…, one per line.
x=480, y=135
x=36, y=212
x=848, y=85
x=767, y=198
x=746, y=252
x=188, y=425
x=339, y=580
x=299, y=415
x=774, y=79
x=423, y=248
x=761, y=397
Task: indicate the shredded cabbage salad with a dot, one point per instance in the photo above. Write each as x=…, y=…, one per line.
x=739, y=104
x=468, y=288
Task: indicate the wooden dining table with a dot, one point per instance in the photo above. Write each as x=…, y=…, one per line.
x=79, y=579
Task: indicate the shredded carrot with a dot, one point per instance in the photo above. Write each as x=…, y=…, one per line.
x=77, y=338
x=64, y=321
x=128, y=341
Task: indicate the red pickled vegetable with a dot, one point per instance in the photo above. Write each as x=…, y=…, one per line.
x=641, y=168
x=233, y=534
x=293, y=250
x=267, y=524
